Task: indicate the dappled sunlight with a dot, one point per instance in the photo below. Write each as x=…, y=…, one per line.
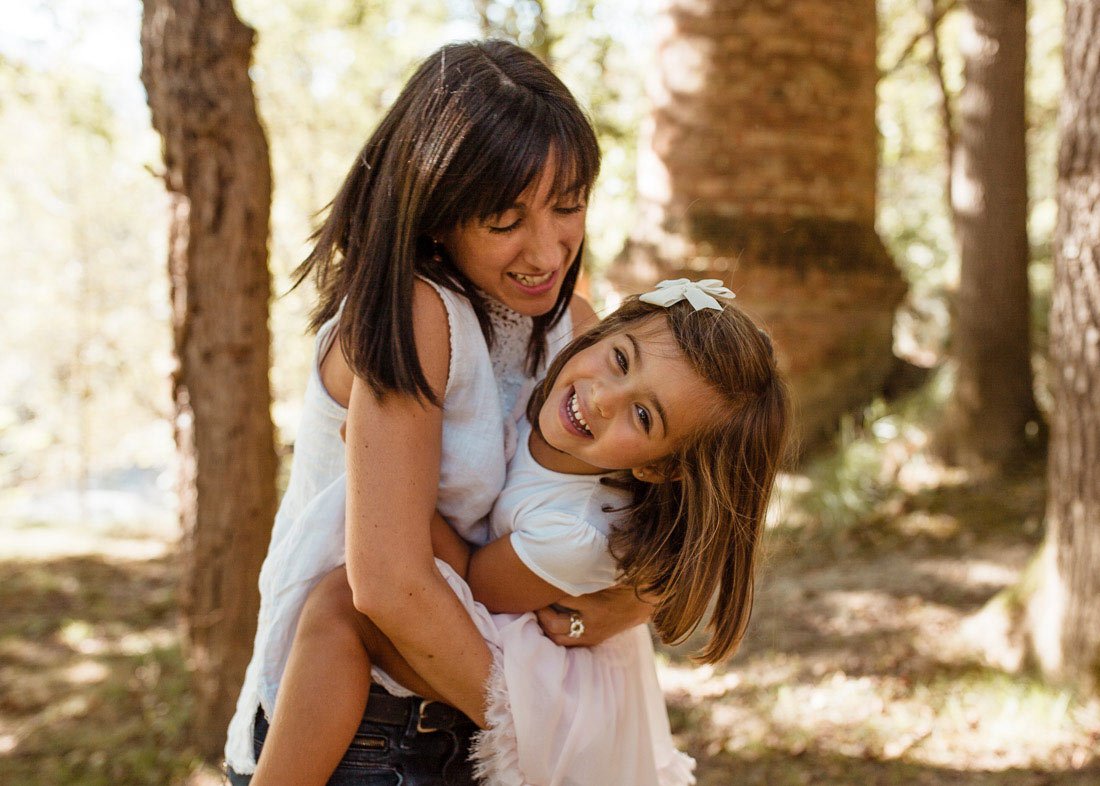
x=870, y=646
x=86, y=672
x=976, y=721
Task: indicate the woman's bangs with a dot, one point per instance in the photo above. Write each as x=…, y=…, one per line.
x=519, y=155
x=577, y=169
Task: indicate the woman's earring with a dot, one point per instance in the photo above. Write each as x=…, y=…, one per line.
x=640, y=473
x=437, y=252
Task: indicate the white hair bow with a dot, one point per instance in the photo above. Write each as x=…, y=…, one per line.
x=701, y=294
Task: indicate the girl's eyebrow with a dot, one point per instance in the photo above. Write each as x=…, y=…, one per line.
x=637, y=350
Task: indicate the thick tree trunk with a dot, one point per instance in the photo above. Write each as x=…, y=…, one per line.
x=195, y=56
x=758, y=166
x=1065, y=611
x=992, y=403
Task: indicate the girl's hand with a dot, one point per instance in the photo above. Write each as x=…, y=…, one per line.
x=604, y=615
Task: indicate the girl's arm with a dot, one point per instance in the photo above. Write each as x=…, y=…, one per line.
x=605, y=614
x=394, y=448
x=449, y=546
x=500, y=581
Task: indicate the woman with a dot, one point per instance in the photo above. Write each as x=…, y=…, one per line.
x=445, y=270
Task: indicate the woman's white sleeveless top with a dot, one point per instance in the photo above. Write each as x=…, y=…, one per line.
x=307, y=540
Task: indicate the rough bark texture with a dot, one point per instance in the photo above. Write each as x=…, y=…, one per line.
x=195, y=56
x=992, y=403
x=1065, y=611
x=758, y=166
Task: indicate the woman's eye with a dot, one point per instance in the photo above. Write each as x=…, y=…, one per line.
x=643, y=417
x=568, y=211
x=621, y=361
x=503, y=230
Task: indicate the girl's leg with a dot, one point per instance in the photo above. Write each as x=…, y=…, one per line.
x=323, y=691
x=325, y=687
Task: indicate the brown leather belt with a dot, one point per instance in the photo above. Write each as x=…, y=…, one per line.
x=413, y=711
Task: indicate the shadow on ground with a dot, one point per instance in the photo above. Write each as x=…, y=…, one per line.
x=92, y=686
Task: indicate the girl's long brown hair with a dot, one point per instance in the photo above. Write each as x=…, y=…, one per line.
x=473, y=127
x=695, y=537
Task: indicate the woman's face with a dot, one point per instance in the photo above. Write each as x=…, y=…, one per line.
x=521, y=256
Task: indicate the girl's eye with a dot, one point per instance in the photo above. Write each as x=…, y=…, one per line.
x=568, y=211
x=643, y=417
x=621, y=361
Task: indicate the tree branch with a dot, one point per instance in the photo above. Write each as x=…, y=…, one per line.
x=933, y=19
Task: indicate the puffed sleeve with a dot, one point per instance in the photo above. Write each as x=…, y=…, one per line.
x=568, y=552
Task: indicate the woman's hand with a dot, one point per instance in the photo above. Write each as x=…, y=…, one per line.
x=603, y=615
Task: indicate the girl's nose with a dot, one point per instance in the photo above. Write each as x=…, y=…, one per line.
x=605, y=398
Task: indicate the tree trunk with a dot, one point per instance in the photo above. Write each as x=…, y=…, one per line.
x=758, y=167
x=1064, y=613
x=987, y=417
x=195, y=59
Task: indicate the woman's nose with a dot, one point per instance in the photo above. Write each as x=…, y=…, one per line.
x=542, y=245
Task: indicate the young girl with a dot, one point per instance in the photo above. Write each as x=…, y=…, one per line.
x=647, y=458
x=444, y=270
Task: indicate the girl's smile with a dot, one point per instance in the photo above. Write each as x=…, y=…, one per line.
x=626, y=402
x=574, y=417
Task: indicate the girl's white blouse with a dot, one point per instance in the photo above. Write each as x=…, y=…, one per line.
x=478, y=436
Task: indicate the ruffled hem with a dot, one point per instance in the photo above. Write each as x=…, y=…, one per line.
x=678, y=771
x=494, y=751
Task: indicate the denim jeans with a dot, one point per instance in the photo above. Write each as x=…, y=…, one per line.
x=393, y=754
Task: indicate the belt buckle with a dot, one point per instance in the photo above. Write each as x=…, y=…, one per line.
x=421, y=728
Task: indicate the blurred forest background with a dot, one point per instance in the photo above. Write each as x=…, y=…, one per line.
x=882, y=649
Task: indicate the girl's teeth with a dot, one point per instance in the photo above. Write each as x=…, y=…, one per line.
x=577, y=416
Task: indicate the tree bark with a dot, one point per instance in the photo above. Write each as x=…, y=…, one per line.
x=985, y=424
x=758, y=166
x=1064, y=612
x=195, y=59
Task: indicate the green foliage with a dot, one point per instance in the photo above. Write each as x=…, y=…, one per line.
x=913, y=216
x=84, y=348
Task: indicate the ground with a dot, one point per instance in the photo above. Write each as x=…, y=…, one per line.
x=874, y=655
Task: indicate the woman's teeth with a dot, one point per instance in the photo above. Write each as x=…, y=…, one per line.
x=532, y=281
x=577, y=417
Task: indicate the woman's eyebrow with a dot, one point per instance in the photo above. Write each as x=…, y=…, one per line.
x=637, y=350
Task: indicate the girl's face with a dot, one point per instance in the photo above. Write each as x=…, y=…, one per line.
x=625, y=402
x=520, y=256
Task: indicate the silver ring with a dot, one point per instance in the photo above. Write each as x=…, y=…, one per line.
x=576, y=625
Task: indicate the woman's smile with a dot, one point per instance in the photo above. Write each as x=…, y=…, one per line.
x=535, y=285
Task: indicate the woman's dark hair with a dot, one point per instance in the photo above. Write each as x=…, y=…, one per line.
x=695, y=536
x=474, y=126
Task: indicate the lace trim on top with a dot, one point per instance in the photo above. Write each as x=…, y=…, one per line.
x=511, y=334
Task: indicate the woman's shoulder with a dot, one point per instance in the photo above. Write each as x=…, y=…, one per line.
x=431, y=327
x=582, y=315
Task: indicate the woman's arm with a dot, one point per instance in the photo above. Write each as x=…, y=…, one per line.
x=394, y=448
